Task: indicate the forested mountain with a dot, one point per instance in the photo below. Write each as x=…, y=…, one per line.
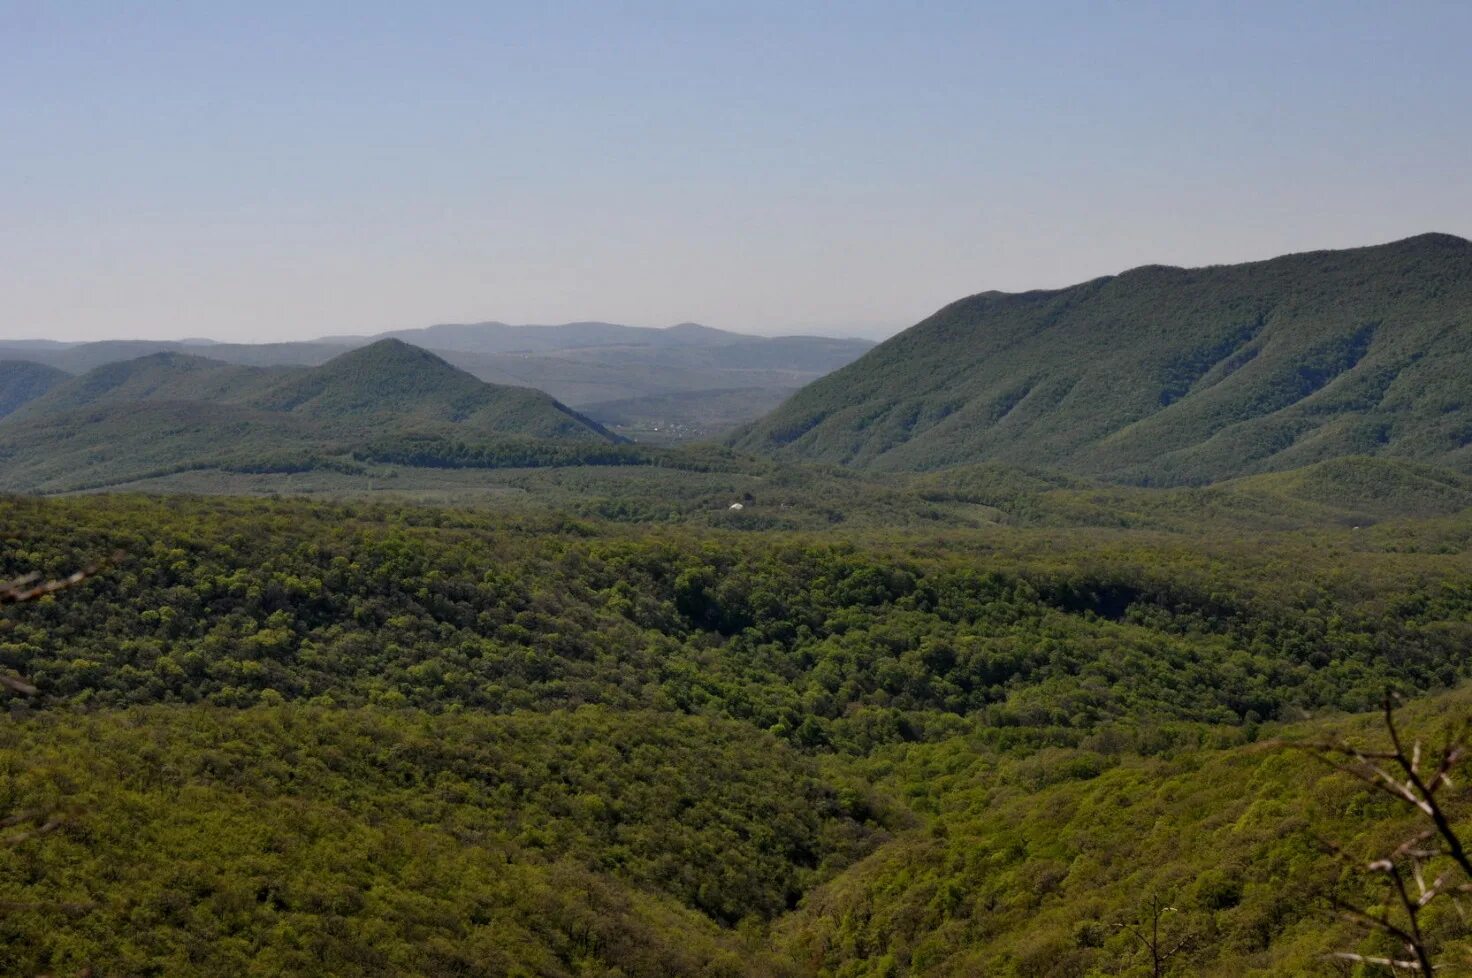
x=1167, y=375
x=169, y=412
x=1116, y=630
x=392, y=382
x=22, y=382
x=670, y=384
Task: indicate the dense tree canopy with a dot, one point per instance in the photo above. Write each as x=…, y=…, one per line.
x=288, y=738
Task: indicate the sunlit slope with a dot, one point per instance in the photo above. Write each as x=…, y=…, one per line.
x=1167, y=375
x=1032, y=864
x=312, y=841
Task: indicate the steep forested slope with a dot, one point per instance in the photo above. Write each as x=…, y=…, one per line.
x=1035, y=862
x=1168, y=375
x=312, y=841
x=22, y=382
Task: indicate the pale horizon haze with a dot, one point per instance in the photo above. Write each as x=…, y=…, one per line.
x=279, y=171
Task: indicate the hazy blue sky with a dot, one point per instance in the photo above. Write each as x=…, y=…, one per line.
x=283, y=170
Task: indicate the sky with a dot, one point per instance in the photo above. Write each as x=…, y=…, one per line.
x=275, y=171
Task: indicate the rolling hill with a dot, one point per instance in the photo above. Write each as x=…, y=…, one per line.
x=685, y=381
x=169, y=412
x=1167, y=376
x=393, y=381
x=155, y=377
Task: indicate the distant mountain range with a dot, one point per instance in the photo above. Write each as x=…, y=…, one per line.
x=494, y=337
x=171, y=412
x=1158, y=376
x=660, y=384
x=1166, y=376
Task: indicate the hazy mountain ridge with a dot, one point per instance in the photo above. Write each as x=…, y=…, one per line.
x=170, y=412
x=77, y=358
x=1165, y=375
x=498, y=337
x=730, y=377
x=154, y=377
x=393, y=380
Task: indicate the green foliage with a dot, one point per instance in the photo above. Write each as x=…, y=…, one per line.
x=1369, y=487
x=302, y=738
x=846, y=642
x=1029, y=865
x=972, y=716
x=437, y=452
x=1166, y=376
x=405, y=386
x=310, y=841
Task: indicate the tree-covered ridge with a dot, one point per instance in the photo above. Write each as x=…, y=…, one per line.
x=159, y=377
x=168, y=413
x=385, y=382
x=1167, y=375
x=22, y=382
x=391, y=381
x=674, y=384
x=847, y=641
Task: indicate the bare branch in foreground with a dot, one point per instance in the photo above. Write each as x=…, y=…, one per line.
x=31, y=587
x=1401, y=773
